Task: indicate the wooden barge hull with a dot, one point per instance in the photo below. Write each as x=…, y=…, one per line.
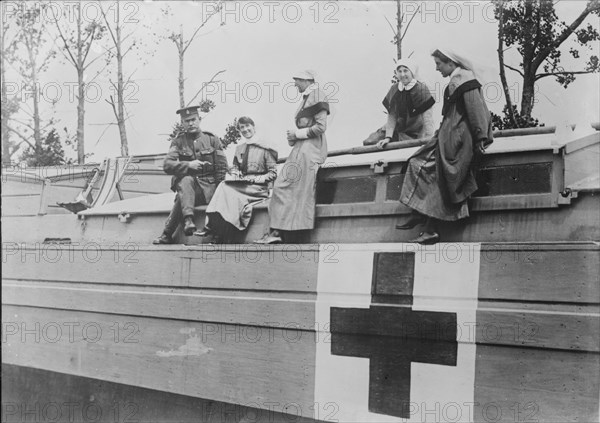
x=349, y=322
x=373, y=332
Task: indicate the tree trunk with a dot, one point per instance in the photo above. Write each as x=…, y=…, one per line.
x=37, y=133
x=80, y=116
x=120, y=101
x=80, y=94
x=5, y=114
x=509, y=105
x=181, y=76
x=398, y=30
x=528, y=96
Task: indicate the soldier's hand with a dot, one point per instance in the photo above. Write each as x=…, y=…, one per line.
x=196, y=164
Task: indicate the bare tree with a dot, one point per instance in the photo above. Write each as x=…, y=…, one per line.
x=77, y=42
x=122, y=45
x=183, y=45
x=9, y=105
x=399, y=34
x=31, y=57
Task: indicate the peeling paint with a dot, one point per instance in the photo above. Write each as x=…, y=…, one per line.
x=192, y=347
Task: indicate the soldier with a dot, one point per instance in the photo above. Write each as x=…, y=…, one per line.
x=198, y=164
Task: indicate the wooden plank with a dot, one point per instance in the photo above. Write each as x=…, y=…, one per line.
x=20, y=206
x=582, y=164
x=526, y=385
x=592, y=139
x=521, y=158
x=36, y=394
x=357, y=209
x=226, y=363
x=12, y=188
x=575, y=330
x=514, y=202
x=253, y=267
x=525, y=273
x=220, y=307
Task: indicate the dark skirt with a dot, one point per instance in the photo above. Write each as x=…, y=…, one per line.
x=422, y=191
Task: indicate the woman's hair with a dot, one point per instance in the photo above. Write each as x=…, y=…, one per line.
x=245, y=120
x=442, y=57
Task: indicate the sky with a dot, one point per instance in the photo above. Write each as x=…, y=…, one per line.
x=260, y=44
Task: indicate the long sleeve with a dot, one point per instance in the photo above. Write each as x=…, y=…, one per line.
x=428, y=125
x=478, y=116
x=172, y=165
x=270, y=162
x=234, y=170
x=390, y=125
x=319, y=126
x=220, y=164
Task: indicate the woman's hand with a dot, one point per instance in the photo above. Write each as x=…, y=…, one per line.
x=383, y=142
x=480, y=147
x=291, y=135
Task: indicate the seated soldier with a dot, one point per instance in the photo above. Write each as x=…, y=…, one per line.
x=198, y=164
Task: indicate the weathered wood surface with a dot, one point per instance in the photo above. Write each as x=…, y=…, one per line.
x=226, y=363
x=40, y=395
x=234, y=337
x=235, y=267
x=224, y=307
x=526, y=385
x=540, y=273
x=575, y=328
x=577, y=222
x=543, y=296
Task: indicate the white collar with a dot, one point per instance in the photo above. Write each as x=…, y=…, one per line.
x=258, y=141
x=455, y=72
x=310, y=89
x=407, y=87
x=255, y=139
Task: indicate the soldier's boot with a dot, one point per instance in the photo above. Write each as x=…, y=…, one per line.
x=170, y=227
x=163, y=239
x=189, y=227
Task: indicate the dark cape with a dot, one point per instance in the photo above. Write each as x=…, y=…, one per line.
x=440, y=175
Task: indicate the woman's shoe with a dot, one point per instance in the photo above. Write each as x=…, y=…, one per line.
x=205, y=231
x=426, y=238
x=270, y=238
x=412, y=222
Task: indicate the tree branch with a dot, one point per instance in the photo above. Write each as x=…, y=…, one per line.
x=204, y=86
x=565, y=34
x=110, y=31
x=188, y=42
x=391, y=26
x=112, y=103
x=514, y=69
x=89, y=40
x=409, y=22
x=543, y=75
x=23, y=123
x=62, y=37
x=21, y=136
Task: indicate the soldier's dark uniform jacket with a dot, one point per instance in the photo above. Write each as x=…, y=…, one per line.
x=205, y=147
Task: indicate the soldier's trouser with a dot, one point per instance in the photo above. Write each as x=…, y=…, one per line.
x=191, y=192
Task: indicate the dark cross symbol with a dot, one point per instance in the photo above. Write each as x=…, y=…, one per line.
x=392, y=335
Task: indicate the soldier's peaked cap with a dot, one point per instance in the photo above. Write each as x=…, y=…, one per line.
x=188, y=111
